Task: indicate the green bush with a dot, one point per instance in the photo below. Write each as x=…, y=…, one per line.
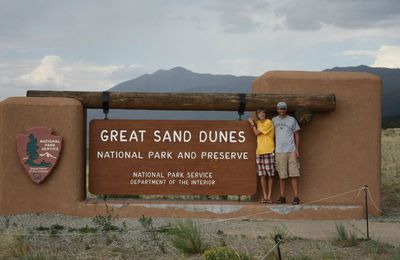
x=105, y=223
x=396, y=254
x=376, y=247
x=186, y=237
x=87, y=229
x=344, y=238
x=225, y=253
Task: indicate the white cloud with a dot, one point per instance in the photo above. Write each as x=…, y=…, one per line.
x=388, y=56
x=47, y=73
x=54, y=73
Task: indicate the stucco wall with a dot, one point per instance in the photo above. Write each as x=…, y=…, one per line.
x=64, y=187
x=340, y=151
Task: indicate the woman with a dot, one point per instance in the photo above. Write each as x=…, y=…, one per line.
x=263, y=128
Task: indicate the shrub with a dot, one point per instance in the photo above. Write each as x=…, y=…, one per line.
x=87, y=229
x=225, y=253
x=186, y=237
x=344, y=238
x=105, y=223
x=376, y=247
x=280, y=230
x=13, y=244
x=147, y=223
x=396, y=254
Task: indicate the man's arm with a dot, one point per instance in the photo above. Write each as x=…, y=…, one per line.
x=297, y=143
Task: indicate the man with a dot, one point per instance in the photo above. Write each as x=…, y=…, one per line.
x=287, y=154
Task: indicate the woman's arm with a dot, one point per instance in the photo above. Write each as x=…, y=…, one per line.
x=253, y=127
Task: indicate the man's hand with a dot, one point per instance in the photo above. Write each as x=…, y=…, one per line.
x=297, y=153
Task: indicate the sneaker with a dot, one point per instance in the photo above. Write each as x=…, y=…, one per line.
x=281, y=200
x=296, y=201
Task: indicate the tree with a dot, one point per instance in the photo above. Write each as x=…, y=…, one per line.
x=31, y=150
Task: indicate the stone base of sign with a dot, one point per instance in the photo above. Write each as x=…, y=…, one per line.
x=64, y=188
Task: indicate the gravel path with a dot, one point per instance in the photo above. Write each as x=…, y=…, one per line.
x=383, y=229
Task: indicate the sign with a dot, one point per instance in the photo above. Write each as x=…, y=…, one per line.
x=128, y=157
x=38, y=152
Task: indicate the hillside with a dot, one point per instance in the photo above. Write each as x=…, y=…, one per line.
x=391, y=87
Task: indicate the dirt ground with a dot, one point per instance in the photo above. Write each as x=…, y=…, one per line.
x=382, y=229
x=302, y=239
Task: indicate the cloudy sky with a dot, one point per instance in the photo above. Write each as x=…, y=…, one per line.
x=95, y=44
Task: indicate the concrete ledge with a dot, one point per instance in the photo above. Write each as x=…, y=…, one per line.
x=220, y=210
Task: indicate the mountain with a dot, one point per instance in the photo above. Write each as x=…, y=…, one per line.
x=182, y=80
x=391, y=87
x=47, y=155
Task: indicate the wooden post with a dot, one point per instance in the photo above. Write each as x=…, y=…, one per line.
x=195, y=101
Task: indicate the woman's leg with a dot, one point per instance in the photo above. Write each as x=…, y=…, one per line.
x=263, y=181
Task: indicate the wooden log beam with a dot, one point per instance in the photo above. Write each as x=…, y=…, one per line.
x=194, y=101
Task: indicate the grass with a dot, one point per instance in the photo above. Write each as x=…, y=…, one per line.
x=390, y=171
x=344, y=237
x=86, y=229
x=225, y=253
x=147, y=224
x=376, y=247
x=282, y=231
x=13, y=243
x=186, y=236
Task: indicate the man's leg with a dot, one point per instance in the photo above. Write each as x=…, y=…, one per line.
x=270, y=182
x=282, y=183
x=294, y=174
x=294, y=186
x=282, y=168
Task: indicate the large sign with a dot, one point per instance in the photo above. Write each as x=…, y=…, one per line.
x=171, y=157
x=38, y=152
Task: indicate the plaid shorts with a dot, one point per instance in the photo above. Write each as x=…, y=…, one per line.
x=265, y=164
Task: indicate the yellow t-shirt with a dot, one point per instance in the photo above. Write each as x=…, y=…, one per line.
x=265, y=140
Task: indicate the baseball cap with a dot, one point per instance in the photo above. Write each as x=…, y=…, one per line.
x=281, y=105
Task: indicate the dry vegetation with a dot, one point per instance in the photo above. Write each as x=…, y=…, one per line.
x=105, y=237
x=390, y=171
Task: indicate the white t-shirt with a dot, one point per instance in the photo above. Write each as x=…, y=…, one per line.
x=284, y=133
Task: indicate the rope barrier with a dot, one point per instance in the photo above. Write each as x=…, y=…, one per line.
x=202, y=223
x=373, y=203
x=270, y=251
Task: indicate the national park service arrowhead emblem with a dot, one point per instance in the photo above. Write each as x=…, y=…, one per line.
x=38, y=152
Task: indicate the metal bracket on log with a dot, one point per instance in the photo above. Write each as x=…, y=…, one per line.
x=242, y=105
x=106, y=104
